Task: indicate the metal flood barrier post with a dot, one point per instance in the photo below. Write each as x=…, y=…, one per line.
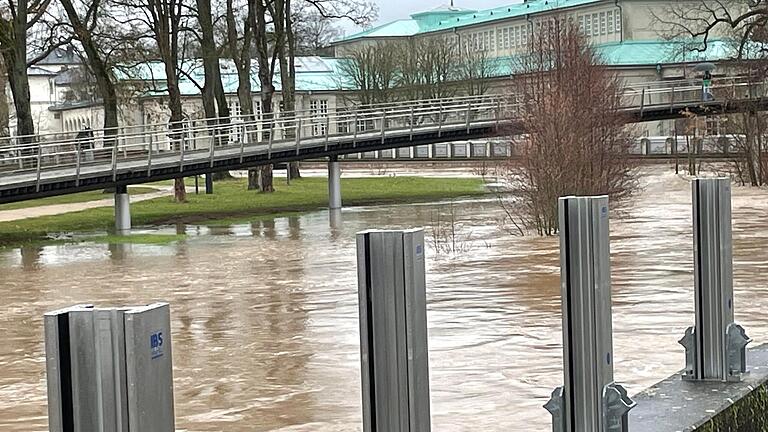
x=109, y=369
x=393, y=331
x=715, y=347
x=590, y=401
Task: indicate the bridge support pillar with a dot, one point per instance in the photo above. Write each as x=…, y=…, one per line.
x=209, y=183
x=334, y=183
x=590, y=400
x=122, y=210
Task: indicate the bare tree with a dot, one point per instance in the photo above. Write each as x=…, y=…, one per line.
x=476, y=68
x=743, y=25
x=746, y=133
x=84, y=19
x=372, y=71
x=427, y=68
x=698, y=23
x=572, y=139
x=314, y=32
x=266, y=57
x=18, y=18
x=162, y=19
x=239, y=39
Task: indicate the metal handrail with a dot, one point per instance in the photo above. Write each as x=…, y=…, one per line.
x=207, y=140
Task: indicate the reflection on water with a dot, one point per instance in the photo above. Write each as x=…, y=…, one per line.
x=265, y=313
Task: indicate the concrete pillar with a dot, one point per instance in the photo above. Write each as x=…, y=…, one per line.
x=122, y=210
x=209, y=183
x=334, y=183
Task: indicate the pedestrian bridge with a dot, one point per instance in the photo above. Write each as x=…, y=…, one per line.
x=57, y=164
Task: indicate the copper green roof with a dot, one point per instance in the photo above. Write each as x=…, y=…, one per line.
x=442, y=19
x=316, y=74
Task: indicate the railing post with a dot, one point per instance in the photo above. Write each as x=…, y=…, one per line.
x=271, y=138
x=298, y=134
x=642, y=102
x=410, y=137
x=498, y=113
x=149, y=157
x=213, y=145
x=393, y=331
x=242, y=142
x=383, y=124
x=78, y=147
x=183, y=145
x=39, y=166
x=469, y=114
x=715, y=348
x=590, y=400
x=115, y=144
x=327, y=130
x=354, y=129
x=672, y=99
x=440, y=120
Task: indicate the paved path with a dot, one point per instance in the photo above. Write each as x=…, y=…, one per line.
x=55, y=209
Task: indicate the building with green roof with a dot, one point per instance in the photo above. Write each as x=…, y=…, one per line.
x=624, y=32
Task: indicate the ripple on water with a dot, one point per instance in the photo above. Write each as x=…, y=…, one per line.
x=265, y=326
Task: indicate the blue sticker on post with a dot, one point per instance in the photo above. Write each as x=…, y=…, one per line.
x=156, y=344
x=419, y=250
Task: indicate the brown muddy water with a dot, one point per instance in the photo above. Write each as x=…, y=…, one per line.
x=264, y=315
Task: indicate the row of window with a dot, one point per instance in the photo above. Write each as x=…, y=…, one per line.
x=318, y=110
x=600, y=23
x=513, y=37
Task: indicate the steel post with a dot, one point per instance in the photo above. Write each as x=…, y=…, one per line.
x=109, y=369
x=334, y=183
x=715, y=347
x=393, y=331
x=590, y=401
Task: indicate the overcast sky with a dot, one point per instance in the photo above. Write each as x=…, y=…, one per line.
x=390, y=10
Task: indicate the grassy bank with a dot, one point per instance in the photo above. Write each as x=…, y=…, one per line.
x=72, y=198
x=231, y=201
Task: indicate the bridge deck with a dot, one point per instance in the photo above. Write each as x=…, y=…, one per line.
x=388, y=126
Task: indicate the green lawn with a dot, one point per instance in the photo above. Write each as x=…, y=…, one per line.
x=232, y=201
x=72, y=198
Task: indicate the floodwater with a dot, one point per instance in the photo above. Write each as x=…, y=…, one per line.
x=264, y=315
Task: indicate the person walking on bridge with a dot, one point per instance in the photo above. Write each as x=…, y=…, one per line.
x=706, y=87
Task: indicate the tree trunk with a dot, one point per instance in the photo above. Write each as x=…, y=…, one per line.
x=253, y=179
x=293, y=169
x=287, y=53
x=265, y=179
x=5, y=130
x=179, y=190
x=177, y=114
x=14, y=53
x=266, y=73
x=19, y=83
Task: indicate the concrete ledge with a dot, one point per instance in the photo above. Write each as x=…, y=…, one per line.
x=674, y=405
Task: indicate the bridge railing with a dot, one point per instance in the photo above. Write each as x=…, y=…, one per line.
x=153, y=145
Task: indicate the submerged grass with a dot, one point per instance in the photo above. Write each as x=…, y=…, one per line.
x=73, y=198
x=231, y=201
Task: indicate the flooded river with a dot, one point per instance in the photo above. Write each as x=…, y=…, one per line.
x=264, y=314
